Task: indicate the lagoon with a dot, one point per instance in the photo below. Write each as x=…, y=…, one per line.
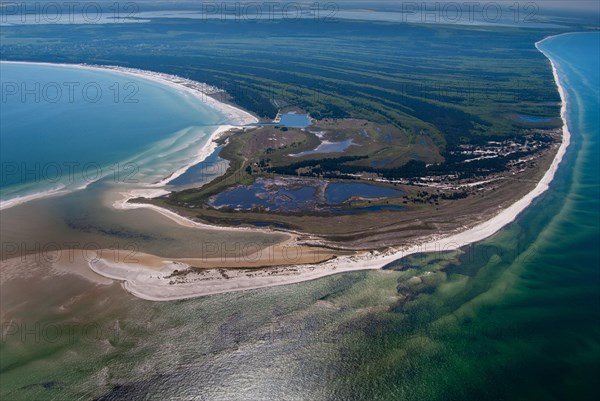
x=513, y=317
x=327, y=147
x=64, y=127
x=339, y=192
x=311, y=196
x=295, y=120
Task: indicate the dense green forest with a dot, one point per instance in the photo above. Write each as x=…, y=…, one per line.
x=453, y=84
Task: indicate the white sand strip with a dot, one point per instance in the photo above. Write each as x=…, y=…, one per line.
x=27, y=198
x=155, y=285
x=234, y=115
x=199, y=90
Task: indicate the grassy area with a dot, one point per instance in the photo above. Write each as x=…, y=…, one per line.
x=257, y=152
x=448, y=83
x=402, y=93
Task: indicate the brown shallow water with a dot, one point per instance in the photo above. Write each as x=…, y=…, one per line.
x=68, y=337
x=86, y=220
x=514, y=317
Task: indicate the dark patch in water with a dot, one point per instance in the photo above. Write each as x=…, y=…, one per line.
x=304, y=196
x=213, y=166
x=139, y=390
x=113, y=232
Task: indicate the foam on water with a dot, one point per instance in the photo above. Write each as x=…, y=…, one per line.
x=58, y=136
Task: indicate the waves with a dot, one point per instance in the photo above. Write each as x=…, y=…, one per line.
x=52, y=149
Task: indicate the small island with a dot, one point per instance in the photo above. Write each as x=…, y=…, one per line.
x=353, y=173
x=337, y=180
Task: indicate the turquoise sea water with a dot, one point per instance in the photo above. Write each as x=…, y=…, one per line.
x=65, y=127
x=513, y=317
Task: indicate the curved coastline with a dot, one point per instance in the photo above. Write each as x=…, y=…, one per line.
x=236, y=116
x=19, y=200
x=154, y=285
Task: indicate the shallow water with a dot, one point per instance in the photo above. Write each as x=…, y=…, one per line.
x=208, y=169
x=331, y=147
x=85, y=220
x=339, y=192
x=263, y=194
x=295, y=120
x=514, y=317
x=68, y=127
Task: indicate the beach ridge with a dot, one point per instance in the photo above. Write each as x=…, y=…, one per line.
x=157, y=288
x=238, y=119
x=157, y=284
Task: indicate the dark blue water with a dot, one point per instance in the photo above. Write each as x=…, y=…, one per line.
x=279, y=198
x=260, y=195
x=339, y=192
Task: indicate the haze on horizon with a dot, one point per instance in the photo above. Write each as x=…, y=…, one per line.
x=572, y=5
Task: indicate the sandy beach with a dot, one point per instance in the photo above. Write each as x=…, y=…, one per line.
x=27, y=198
x=159, y=284
x=200, y=91
x=154, y=278
x=157, y=189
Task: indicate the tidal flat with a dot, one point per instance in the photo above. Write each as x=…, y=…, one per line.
x=513, y=316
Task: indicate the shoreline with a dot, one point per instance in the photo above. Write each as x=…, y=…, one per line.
x=238, y=117
x=173, y=81
x=157, y=189
x=19, y=200
x=154, y=284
